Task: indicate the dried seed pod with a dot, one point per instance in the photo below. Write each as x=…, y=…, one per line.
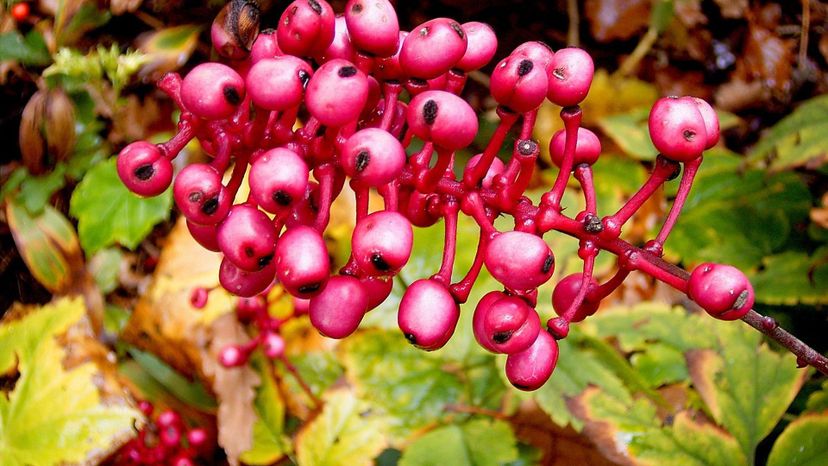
x=47, y=130
x=235, y=29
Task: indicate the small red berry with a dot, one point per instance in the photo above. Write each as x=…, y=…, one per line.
x=20, y=11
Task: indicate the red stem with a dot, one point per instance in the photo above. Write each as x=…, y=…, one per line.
x=690, y=170
x=473, y=175
x=450, y=208
x=571, y=117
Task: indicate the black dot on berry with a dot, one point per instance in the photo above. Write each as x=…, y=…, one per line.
x=347, y=71
x=282, y=198
x=144, y=172
x=315, y=6
x=304, y=77
x=268, y=31
x=194, y=197
x=424, y=31
x=527, y=147
x=362, y=160
x=357, y=8
x=411, y=338
x=457, y=29
x=741, y=300
x=264, y=261
x=231, y=95
x=524, y=67
x=379, y=262
x=210, y=206
x=559, y=74
x=689, y=135
x=548, y=263
x=502, y=337
x=430, y=112
x=249, y=252
x=520, y=386
x=309, y=288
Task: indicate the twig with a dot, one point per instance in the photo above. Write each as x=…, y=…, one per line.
x=644, y=45
x=573, y=38
x=301, y=381
x=458, y=408
x=803, y=37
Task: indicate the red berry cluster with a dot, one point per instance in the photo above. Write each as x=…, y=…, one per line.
x=165, y=441
x=353, y=74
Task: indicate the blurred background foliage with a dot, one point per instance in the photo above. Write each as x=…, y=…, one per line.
x=96, y=282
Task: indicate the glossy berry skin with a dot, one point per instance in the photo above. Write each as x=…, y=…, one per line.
x=373, y=26
x=212, y=91
x=337, y=93
x=278, y=83
x=337, y=311
x=20, y=11
x=373, y=157
x=247, y=238
x=389, y=68
x=341, y=46
x=510, y=325
x=481, y=311
x=265, y=46
x=711, y=120
x=570, y=76
x=232, y=356
x=243, y=283
x=143, y=169
x=721, y=290
x=677, y=129
x=565, y=292
x=414, y=205
x=302, y=261
x=443, y=118
x=377, y=289
x=519, y=84
x=199, y=297
x=205, y=235
x=433, y=48
x=428, y=314
x=306, y=28
x=381, y=243
x=587, y=148
x=531, y=368
x=496, y=168
x=248, y=308
x=273, y=345
x=200, y=196
x=481, y=48
x=519, y=260
x=169, y=418
x=540, y=53
x=278, y=179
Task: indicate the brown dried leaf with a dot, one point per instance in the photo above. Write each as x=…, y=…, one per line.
x=768, y=58
x=739, y=94
x=819, y=215
x=119, y=7
x=823, y=45
x=235, y=389
x=689, y=12
x=733, y=8
x=617, y=19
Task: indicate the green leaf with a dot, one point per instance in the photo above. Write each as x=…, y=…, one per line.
x=793, y=277
x=797, y=140
x=86, y=18
x=746, y=386
x=168, y=49
x=108, y=213
x=269, y=441
x=53, y=416
x=347, y=431
x=29, y=50
x=737, y=218
x=802, y=443
x=818, y=401
x=616, y=179
x=192, y=393
x=319, y=369
x=115, y=318
x=478, y=442
x=15, y=179
x=35, y=191
x=630, y=132
x=661, y=15
x=406, y=383
x=105, y=267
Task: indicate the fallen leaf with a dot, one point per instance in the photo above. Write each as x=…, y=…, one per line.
x=768, y=58
x=617, y=19
x=733, y=9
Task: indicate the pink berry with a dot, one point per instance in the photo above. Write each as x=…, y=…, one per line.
x=381, y=243
x=372, y=156
x=212, y=91
x=302, y=261
x=433, y=48
x=443, y=118
x=389, y=68
x=243, y=283
x=677, y=129
x=169, y=418
x=205, y=235
x=198, y=297
x=247, y=309
x=200, y=196
x=518, y=84
x=587, y=148
x=341, y=47
x=496, y=168
x=278, y=179
x=265, y=46
x=170, y=436
x=414, y=205
x=570, y=77
x=373, y=26
x=337, y=93
x=273, y=345
x=306, y=28
x=247, y=237
x=482, y=46
x=531, y=368
x=300, y=306
x=278, y=83
x=197, y=438
x=721, y=290
x=428, y=314
x=481, y=311
x=510, y=325
x=540, y=53
x=143, y=169
x=337, y=311
x=232, y=356
x=146, y=407
x=565, y=292
x=519, y=260
x=711, y=121
x=377, y=289
x=182, y=459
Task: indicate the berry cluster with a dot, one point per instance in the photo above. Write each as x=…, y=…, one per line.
x=165, y=441
x=370, y=89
